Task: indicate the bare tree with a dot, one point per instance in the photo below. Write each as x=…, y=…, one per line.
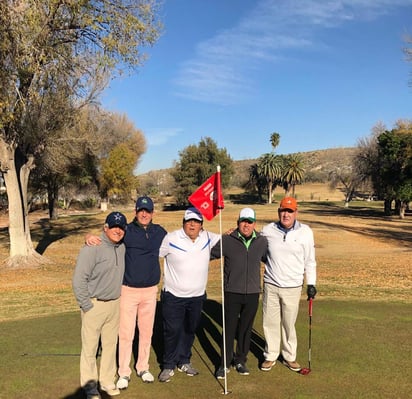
x=50, y=47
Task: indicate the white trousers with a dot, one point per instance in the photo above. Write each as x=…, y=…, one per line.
x=280, y=310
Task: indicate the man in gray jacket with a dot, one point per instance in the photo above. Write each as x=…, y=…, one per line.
x=97, y=284
x=243, y=251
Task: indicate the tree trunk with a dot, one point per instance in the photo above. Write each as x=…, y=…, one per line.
x=402, y=209
x=270, y=193
x=52, y=198
x=16, y=171
x=387, y=204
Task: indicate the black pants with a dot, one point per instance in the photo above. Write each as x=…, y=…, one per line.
x=181, y=318
x=240, y=312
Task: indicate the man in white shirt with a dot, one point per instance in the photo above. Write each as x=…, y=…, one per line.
x=186, y=255
x=290, y=258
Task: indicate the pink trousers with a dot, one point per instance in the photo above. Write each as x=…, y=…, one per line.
x=136, y=305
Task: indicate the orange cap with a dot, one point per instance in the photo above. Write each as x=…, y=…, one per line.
x=288, y=203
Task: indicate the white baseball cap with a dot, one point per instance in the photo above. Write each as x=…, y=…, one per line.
x=247, y=214
x=193, y=214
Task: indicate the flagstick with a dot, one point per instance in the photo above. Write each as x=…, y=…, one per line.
x=223, y=295
x=223, y=302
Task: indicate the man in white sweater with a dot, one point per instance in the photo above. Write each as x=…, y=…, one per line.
x=290, y=259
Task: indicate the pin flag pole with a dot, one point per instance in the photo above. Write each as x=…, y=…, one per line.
x=225, y=392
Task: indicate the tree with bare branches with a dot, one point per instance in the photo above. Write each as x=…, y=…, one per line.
x=57, y=55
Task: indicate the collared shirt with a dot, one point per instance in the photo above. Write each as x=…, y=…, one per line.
x=186, y=263
x=248, y=240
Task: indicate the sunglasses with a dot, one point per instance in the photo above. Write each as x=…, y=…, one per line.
x=246, y=221
x=287, y=210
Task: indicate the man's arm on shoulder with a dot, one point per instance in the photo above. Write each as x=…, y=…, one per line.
x=92, y=239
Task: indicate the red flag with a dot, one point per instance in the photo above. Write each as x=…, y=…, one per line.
x=208, y=198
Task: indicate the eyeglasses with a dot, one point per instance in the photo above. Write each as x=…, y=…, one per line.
x=287, y=210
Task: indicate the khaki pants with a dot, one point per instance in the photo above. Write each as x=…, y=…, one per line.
x=280, y=310
x=99, y=323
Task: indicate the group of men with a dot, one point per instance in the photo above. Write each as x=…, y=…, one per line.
x=116, y=285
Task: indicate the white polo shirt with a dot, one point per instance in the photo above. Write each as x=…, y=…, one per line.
x=186, y=263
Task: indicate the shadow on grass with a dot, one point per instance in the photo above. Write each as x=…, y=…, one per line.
x=49, y=231
x=211, y=326
x=79, y=394
x=209, y=335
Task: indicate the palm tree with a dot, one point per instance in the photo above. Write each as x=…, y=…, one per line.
x=274, y=140
x=270, y=167
x=256, y=181
x=293, y=173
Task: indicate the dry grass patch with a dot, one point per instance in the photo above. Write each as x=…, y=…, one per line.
x=361, y=254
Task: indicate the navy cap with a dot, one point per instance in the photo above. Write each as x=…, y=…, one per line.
x=116, y=219
x=144, y=203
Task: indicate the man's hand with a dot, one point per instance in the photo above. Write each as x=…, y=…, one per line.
x=311, y=291
x=91, y=240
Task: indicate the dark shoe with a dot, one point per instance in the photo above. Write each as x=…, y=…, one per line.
x=220, y=373
x=188, y=369
x=242, y=369
x=267, y=365
x=294, y=366
x=91, y=390
x=165, y=375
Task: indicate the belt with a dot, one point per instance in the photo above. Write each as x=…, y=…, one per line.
x=103, y=300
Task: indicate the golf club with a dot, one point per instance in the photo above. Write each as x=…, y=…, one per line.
x=304, y=370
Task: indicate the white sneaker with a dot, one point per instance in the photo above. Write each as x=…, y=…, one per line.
x=146, y=376
x=123, y=382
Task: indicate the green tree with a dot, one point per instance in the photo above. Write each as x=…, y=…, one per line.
x=117, y=178
x=270, y=167
x=256, y=181
x=196, y=164
x=386, y=159
x=293, y=172
x=395, y=172
x=49, y=47
x=274, y=140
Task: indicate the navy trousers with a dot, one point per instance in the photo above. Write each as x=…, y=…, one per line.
x=181, y=318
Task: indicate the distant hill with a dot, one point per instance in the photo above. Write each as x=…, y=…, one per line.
x=317, y=163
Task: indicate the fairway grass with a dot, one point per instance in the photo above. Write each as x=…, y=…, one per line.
x=361, y=315
x=359, y=350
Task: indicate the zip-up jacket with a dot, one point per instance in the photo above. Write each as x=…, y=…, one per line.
x=142, y=267
x=291, y=255
x=242, y=265
x=98, y=273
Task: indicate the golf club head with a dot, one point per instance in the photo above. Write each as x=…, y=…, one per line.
x=304, y=371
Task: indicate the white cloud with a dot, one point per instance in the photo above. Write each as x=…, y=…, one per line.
x=160, y=136
x=219, y=71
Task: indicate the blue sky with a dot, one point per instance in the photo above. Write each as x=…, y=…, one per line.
x=320, y=73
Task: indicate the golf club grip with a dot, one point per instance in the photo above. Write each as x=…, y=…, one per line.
x=310, y=306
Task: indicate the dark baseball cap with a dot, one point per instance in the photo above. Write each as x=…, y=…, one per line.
x=116, y=219
x=144, y=203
